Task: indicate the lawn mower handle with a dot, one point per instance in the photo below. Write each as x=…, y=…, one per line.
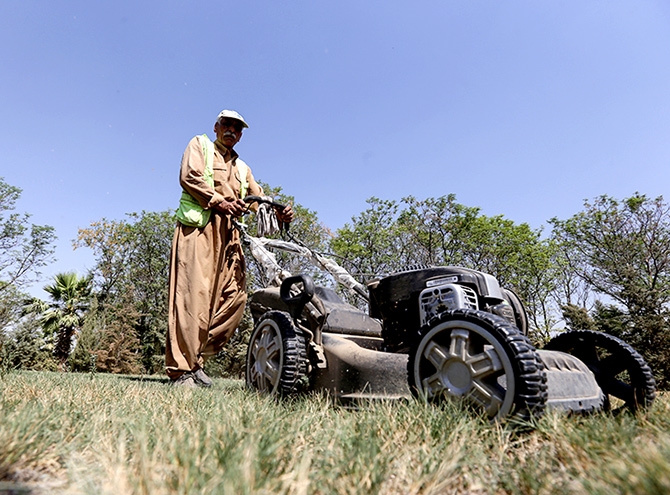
x=258, y=199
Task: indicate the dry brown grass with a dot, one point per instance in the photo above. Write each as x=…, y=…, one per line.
x=104, y=434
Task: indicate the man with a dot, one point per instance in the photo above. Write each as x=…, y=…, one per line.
x=207, y=291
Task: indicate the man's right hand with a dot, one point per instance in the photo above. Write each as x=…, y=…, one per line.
x=234, y=208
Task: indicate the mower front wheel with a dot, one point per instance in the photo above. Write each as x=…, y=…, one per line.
x=481, y=359
x=277, y=356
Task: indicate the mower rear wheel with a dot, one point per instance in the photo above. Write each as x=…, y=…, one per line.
x=277, y=356
x=482, y=359
x=622, y=373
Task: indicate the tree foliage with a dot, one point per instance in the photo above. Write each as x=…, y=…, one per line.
x=621, y=250
x=26, y=347
x=25, y=248
x=371, y=244
x=390, y=236
x=118, y=349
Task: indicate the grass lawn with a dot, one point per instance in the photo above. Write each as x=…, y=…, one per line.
x=110, y=434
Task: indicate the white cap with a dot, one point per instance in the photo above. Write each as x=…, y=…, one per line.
x=231, y=114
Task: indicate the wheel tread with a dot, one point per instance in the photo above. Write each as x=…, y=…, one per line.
x=644, y=384
x=295, y=366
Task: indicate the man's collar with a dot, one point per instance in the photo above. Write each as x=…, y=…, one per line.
x=224, y=150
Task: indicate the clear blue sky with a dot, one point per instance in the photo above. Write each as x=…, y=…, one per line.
x=523, y=108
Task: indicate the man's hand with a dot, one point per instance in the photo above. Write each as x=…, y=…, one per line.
x=233, y=208
x=286, y=215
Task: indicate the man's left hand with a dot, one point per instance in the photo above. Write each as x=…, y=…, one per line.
x=286, y=215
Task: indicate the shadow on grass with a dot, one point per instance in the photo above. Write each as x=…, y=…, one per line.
x=10, y=488
x=228, y=383
x=146, y=378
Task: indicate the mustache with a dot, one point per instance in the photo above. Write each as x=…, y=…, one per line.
x=230, y=133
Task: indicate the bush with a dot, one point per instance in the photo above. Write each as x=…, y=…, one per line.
x=84, y=357
x=26, y=348
x=118, y=351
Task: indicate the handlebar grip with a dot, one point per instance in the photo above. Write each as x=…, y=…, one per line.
x=258, y=199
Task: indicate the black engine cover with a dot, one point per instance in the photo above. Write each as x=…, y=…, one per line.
x=394, y=299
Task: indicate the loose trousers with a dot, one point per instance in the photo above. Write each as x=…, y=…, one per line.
x=207, y=293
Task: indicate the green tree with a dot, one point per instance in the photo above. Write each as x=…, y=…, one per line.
x=64, y=315
x=25, y=248
x=621, y=250
x=578, y=317
x=11, y=300
x=371, y=244
x=83, y=357
x=439, y=231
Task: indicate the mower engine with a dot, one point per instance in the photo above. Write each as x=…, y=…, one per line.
x=447, y=297
x=409, y=300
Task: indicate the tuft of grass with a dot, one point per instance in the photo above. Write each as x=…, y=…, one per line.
x=110, y=434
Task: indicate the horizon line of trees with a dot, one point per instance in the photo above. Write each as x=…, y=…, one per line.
x=605, y=268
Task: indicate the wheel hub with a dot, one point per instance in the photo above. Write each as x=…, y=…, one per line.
x=266, y=354
x=261, y=358
x=456, y=377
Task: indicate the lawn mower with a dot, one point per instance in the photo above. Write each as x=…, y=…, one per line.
x=432, y=332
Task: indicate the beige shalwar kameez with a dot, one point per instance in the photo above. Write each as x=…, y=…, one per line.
x=207, y=291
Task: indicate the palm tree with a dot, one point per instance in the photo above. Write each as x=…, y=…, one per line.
x=64, y=316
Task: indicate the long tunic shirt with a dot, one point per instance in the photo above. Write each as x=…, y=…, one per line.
x=207, y=291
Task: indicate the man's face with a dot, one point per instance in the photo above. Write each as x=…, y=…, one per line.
x=228, y=131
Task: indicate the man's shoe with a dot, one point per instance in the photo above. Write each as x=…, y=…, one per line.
x=201, y=379
x=185, y=380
